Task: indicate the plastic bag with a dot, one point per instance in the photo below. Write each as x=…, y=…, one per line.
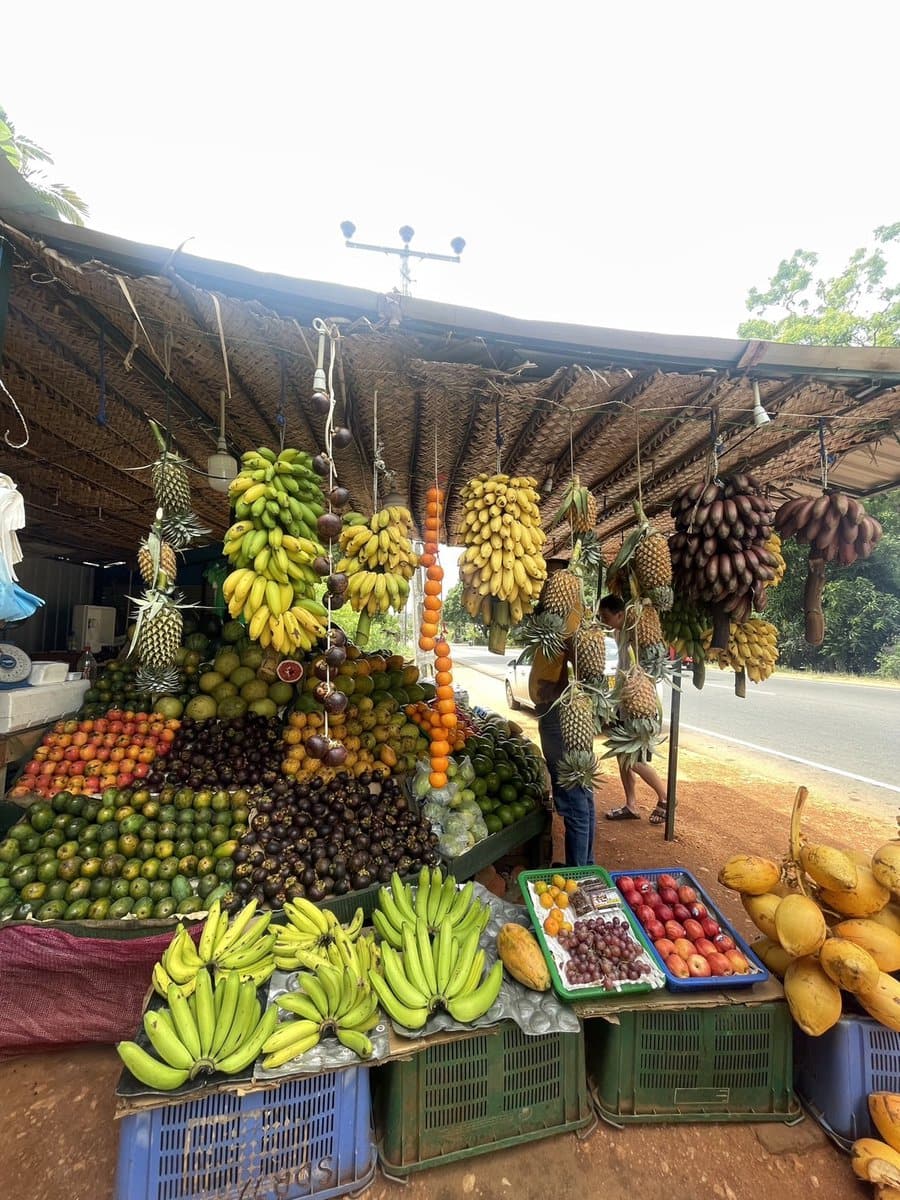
x=435, y=813
x=15, y=603
x=453, y=845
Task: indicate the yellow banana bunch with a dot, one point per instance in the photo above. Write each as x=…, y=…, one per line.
x=502, y=569
x=379, y=560
x=752, y=647
x=773, y=545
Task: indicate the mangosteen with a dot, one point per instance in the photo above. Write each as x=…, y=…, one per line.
x=357, y=861
x=308, y=877
x=336, y=636
x=321, y=402
x=384, y=873
x=341, y=886
x=337, y=583
x=338, y=869
x=405, y=864
x=339, y=497
x=315, y=891
x=336, y=703
x=329, y=525
x=321, y=464
x=336, y=754
x=316, y=746
x=341, y=438
x=322, y=565
x=362, y=878
x=323, y=866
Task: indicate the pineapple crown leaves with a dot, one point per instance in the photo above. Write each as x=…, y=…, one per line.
x=182, y=529
x=157, y=681
x=591, y=551
x=574, y=500
x=631, y=740
x=541, y=631
x=579, y=768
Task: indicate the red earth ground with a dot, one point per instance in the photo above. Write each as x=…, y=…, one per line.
x=61, y=1139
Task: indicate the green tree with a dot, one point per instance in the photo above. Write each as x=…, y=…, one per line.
x=460, y=625
x=859, y=306
x=29, y=159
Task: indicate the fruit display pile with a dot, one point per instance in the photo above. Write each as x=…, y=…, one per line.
x=877, y=1161
x=91, y=755
x=831, y=926
x=125, y=854
x=685, y=935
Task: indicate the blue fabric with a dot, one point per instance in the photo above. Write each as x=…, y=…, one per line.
x=574, y=805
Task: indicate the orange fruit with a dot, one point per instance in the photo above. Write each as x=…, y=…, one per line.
x=432, y=603
x=551, y=926
x=443, y=661
x=443, y=677
x=432, y=586
x=426, y=643
x=442, y=648
x=562, y=900
x=435, y=573
x=437, y=779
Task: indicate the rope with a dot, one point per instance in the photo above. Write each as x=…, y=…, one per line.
x=215, y=300
x=823, y=456
x=375, y=454
x=637, y=464
x=280, y=419
x=101, y=398
x=12, y=400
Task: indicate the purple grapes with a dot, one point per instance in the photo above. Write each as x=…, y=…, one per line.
x=603, y=952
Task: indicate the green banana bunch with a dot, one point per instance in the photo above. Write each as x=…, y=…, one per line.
x=683, y=626
x=237, y=945
x=436, y=899
x=379, y=560
x=330, y=1000
x=217, y=1028
x=305, y=943
x=445, y=971
x=272, y=546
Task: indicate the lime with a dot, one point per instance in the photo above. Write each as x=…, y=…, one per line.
x=493, y=823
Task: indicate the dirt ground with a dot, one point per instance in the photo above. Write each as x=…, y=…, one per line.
x=61, y=1138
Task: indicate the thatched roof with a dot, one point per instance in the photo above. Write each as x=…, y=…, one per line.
x=631, y=411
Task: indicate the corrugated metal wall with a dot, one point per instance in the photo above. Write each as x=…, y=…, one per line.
x=61, y=585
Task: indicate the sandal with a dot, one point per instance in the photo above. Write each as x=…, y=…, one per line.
x=623, y=814
x=659, y=814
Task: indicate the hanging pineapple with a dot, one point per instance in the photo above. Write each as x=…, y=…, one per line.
x=578, y=507
x=158, y=618
x=579, y=765
x=166, y=562
x=172, y=490
x=639, y=723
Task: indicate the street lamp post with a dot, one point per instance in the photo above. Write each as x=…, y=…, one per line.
x=404, y=253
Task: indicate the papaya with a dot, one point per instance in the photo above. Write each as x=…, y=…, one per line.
x=799, y=925
x=749, y=874
x=522, y=957
x=814, y=1001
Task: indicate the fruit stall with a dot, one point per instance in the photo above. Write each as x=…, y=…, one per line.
x=248, y=852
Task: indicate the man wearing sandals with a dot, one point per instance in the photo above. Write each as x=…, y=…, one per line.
x=612, y=613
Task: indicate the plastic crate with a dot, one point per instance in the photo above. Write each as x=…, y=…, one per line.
x=479, y=1094
x=309, y=1137
x=728, y=1063
x=835, y=1073
x=674, y=982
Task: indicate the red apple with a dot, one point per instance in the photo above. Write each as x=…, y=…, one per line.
x=653, y=900
x=693, y=929
x=674, y=930
x=664, y=947
x=719, y=964
x=666, y=881
x=645, y=913
x=686, y=894
x=141, y=770
x=677, y=966
x=681, y=913
x=626, y=884
x=124, y=779
x=738, y=962
x=668, y=895
x=698, y=911
x=724, y=943
x=710, y=927
x=704, y=946
x=684, y=949
x=655, y=929
x=634, y=900
x=665, y=913
x=643, y=885
x=698, y=967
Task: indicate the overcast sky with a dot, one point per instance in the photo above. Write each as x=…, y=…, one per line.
x=637, y=166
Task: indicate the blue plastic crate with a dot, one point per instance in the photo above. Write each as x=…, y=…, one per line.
x=309, y=1137
x=673, y=982
x=834, y=1074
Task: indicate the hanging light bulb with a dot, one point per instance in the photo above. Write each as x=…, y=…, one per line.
x=221, y=467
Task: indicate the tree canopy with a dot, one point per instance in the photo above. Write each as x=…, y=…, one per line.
x=30, y=159
x=859, y=306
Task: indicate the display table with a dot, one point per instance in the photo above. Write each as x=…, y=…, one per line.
x=26, y=711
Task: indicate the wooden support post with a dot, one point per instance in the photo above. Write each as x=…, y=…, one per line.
x=672, y=780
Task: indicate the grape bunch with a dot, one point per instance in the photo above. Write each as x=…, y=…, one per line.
x=604, y=952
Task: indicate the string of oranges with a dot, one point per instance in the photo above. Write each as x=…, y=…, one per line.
x=442, y=730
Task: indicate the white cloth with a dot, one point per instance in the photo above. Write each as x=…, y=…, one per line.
x=12, y=517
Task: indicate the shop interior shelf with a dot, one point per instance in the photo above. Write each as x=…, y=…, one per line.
x=309, y=1137
x=731, y=1062
x=479, y=1094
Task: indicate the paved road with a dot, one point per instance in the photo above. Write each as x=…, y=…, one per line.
x=846, y=728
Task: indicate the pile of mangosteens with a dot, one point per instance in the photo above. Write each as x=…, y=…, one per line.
x=318, y=839
x=242, y=752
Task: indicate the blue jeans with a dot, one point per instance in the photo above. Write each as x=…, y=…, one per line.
x=576, y=804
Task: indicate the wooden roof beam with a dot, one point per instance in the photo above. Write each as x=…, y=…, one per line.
x=543, y=411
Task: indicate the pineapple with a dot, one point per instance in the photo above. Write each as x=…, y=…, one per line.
x=662, y=598
x=181, y=529
x=157, y=634
x=590, y=651
x=543, y=631
x=561, y=593
x=158, y=682
x=579, y=768
x=651, y=562
x=170, y=484
x=167, y=561
x=576, y=719
x=638, y=699
x=648, y=627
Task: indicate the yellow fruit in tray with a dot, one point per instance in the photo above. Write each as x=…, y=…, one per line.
x=883, y=1001
x=879, y=941
x=867, y=897
x=761, y=911
x=875, y=1161
x=799, y=925
x=884, y=1109
x=558, y=881
x=775, y=957
x=522, y=957
x=750, y=875
x=829, y=868
x=848, y=965
x=814, y=1001
x=886, y=866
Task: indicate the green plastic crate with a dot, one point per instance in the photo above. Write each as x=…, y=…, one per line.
x=729, y=1063
x=480, y=1094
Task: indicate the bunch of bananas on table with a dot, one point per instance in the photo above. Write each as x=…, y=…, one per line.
x=378, y=559
x=219, y=1028
x=272, y=545
x=752, y=647
x=502, y=568
x=331, y=999
x=231, y=947
x=314, y=936
x=436, y=901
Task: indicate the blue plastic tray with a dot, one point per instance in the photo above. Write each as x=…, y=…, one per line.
x=835, y=1073
x=675, y=984
x=307, y=1137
